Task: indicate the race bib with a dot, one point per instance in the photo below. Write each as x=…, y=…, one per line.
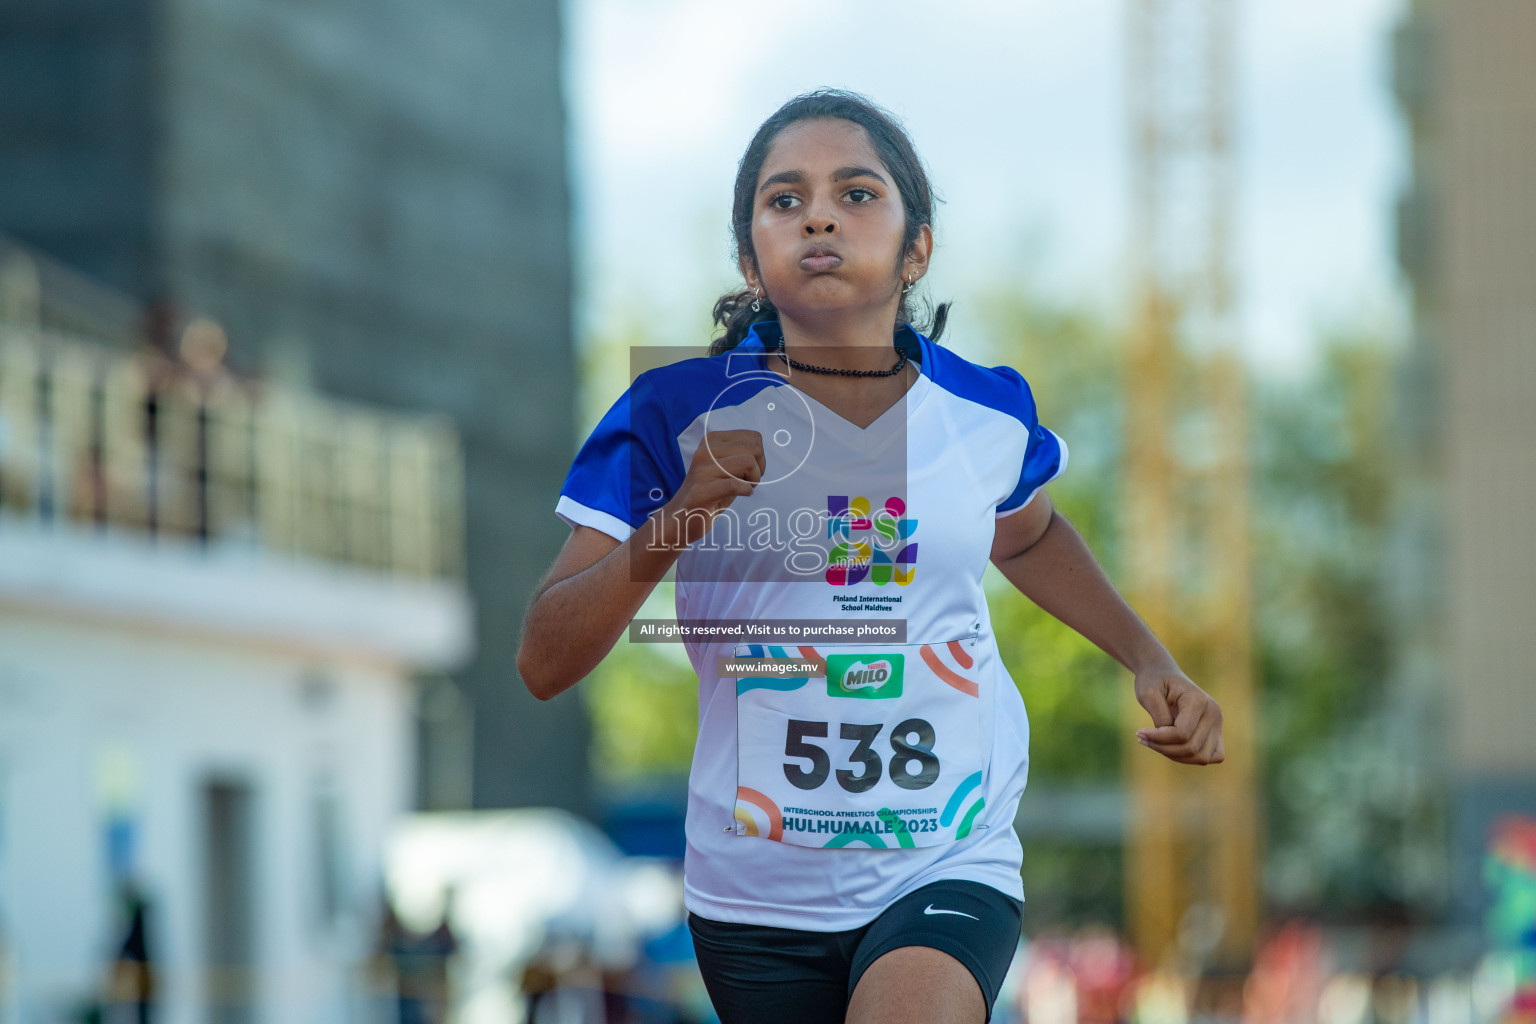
x=867, y=746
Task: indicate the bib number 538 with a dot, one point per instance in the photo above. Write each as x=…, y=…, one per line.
x=911, y=744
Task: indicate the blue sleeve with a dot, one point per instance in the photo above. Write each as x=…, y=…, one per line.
x=1045, y=454
x=628, y=468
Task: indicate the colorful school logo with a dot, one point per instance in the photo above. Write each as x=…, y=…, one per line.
x=855, y=557
x=852, y=675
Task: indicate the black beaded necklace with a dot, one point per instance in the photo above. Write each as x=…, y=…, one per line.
x=900, y=364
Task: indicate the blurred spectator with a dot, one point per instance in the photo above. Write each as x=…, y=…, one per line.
x=416, y=966
x=618, y=987
x=1345, y=999
x=131, y=988
x=430, y=982
x=161, y=375
x=1162, y=997
x=183, y=359
x=1049, y=988
x=1105, y=968
x=162, y=324
x=538, y=982
x=1286, y=981
x=666, y=987
x=1509, y=871
x=381, y=970
x=563, y=981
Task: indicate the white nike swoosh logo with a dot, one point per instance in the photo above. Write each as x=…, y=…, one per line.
x=929, y=910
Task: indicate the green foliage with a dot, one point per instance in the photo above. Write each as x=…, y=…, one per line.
x=1073, y=884
x=1323, y=476
x=1351, y=810
x=643, y=699
x=1070, y=688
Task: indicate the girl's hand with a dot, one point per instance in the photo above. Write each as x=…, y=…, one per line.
x=726, y=465
x=1187, y=721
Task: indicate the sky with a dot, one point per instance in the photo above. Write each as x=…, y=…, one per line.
x=1018, y=110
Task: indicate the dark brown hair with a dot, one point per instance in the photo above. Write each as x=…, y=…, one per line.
x=734, y=310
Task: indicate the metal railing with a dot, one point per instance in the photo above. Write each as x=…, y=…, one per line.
x=137, y=441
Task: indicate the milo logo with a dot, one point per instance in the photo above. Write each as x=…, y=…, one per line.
x=859, y=675
x=853, y=675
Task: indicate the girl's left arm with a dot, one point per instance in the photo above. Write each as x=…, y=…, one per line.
x=1041, y=553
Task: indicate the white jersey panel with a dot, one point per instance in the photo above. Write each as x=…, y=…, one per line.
x=973, y=451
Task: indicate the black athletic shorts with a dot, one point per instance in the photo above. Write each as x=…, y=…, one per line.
x=758, y=974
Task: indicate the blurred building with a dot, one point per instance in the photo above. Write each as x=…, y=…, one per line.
x=215, y=600
x=371, y=199
x=1465, y=78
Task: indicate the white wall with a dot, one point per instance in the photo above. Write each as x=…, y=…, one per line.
x=130, y=710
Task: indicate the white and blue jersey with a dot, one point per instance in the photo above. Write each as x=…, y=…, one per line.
x=892, y=521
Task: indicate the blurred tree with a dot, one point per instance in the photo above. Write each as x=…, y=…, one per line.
x=1070, y=356
x=1353, y=823
x=644, y=700
x=1353, y=811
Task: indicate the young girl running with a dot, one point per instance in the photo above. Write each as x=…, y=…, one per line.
x=850, y=843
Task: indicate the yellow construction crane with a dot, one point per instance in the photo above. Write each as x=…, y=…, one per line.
x=1192, y=831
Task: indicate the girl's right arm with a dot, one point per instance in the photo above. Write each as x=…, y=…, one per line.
x=597, y=584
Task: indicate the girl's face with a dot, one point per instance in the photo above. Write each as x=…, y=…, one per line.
x=827, y=224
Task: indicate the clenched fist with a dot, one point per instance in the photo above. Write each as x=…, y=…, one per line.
x=1186, y=720
x=726, y=465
